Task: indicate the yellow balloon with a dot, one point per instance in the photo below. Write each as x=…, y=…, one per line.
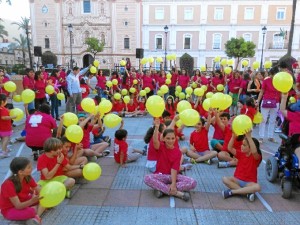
x=217, y=59
x=168, y=81
x=292, y=100
x=17, y=98
x=204, y=87
x=159, y=59
x=194, y=85
x=224, y=62
x=96, y=63
x=169, y=57
x=181, y=95
x=60, y=96
x=169, y=76
x=135, y=81
x=178, y=89
x=53, y=193
x=283, y=82
x=70, y=119
x=227, y=70
x=173, y=56
x=189, y=117
x=114, y=82
x=217, y=100
x=258, y=118
x=241, y=124
x=143, y=93
x=255, y=65
x=203, y=68
x=209, y=94
x=10, y=86
x=122, y=63
x=159, y=92
x=164, y=89
x=112, y=120
x=189, y=90
x=245, y=62
x=151, y=59
x=155, y=105
x=183, y=105
x=179, y=123
x=16, y=112
x=50, y=89
x=93, y=69
x=230, y=62
x=268, y=64
x=88, y=105
x=124, y=92
x=105, y=106
x=91, y=171
x=144, y=61
x=27, y=96
x=109, y=83
x=228, y=101
x=147, y=89
x=220, y=87
x=132, y=90
x=199, y=92
x=74, y=133
x=126, y=99
x=206, y=104
x=117, y=96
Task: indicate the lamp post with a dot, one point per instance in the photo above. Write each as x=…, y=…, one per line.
x=166, y=28
x=264, y=31
x=70, y=28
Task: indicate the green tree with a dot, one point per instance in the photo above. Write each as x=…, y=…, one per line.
x=24, y=25
x=49, y=57
x=3, y=32
x=239, y=48
x=187, y=62
x=94, y=45
x=21, y=44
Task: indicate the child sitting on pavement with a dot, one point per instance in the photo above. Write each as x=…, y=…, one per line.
x=98, y=131
x=121, y=153
x=244, y=181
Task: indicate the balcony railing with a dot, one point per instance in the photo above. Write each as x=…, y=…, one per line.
x=278, y=46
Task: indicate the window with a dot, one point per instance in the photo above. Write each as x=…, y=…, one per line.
x=187, y=41
x=247, y=37
x=125, y=23
x=188, y=13
x=126, y=8
x=278, y=41
x=280, y=14
x=249, y=14
x=158, y=42
x=86, y=6
x=218, y=14
x=126, y=43
x=159, y=13
x=217, y=39
x=47, y=42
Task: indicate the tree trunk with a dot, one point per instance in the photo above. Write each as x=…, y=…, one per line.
x=289, y=52
x=24, y=56
x=28, y=46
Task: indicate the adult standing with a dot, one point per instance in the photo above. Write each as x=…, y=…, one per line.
x=29, y=83
x=254, y=85
x=40, y=85
x=74, y=89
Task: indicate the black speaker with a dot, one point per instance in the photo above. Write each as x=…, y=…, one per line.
x=139, y=53
x=37, y=50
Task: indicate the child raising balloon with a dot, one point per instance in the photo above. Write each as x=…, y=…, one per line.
x=19, y=196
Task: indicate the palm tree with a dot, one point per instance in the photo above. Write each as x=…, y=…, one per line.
x=24, y=25
x=3, y=32
x=21, y=45
x=289, y=52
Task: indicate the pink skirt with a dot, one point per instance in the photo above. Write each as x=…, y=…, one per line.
x=6, y=133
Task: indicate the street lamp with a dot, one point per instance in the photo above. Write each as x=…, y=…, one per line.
x=264, y=31
x=166, y=28
x=70, y=28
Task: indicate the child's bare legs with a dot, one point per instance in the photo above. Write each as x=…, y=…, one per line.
x=81, y=161
x=76, y=173
x=236, y=189
x=133, y=155
x=99, y=148
x=297, y=152
x=69, y=183
x=40, y=209
x=5, y=141
x=202, y=157
x=90, y=153
x=225, y=156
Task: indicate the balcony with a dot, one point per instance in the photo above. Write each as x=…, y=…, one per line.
x=278, y=45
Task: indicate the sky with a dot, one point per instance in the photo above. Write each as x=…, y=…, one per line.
x=14, y=12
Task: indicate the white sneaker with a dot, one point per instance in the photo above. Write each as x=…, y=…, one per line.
x=4, y=155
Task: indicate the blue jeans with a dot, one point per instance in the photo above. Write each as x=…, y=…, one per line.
x=54, y=106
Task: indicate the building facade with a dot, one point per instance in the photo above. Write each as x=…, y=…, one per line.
x=117, y=23
x=201, y=28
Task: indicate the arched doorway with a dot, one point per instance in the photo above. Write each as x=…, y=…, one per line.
x=87, y=60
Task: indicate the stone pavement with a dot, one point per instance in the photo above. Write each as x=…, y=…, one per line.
x=119, y=196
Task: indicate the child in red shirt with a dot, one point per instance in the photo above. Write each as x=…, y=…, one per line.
x=244, y=181
x=130, y=108
x=121, y=153
x=170, y=107
x=5, y=126
x=118, y=107
x=142, y=107
x=85, y=89
x=19, y=196
x=249, y=108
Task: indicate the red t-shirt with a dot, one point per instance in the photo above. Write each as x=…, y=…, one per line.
x=46, y=162
x=152, y=152
x=218, y=133
x=28, y=83
x=40, y=86
x=62, y=78
x=38, y=128
x=202, y=112
x=131, y=107
x=8, y=191
x=160, y=80
x=244, y=85
x=183, y=81
x=168, y=159
x=249, y=111
x=174, y=79
x=217, y=80
x=171, y=110
x=234, y=85
x=118, y=106
x=101, y=81
x=5, y=125
x=199, y=139
x=227, y=137
x=85, y=90
x=294, y=125
x=148, y=82
x=86, y=136
x=141, y=106
x=269, y=91
x=120, y=146
x=2, y=89
x=246, y=169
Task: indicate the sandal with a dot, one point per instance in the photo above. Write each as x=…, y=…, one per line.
x=260, y=140
x=272, y=140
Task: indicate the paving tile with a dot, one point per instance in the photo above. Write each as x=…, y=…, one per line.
x=185, y=216
x=152, y=216
x=122, y=198
x=281, y=218
x=233, y=203
x=147, y=199
x=200, y=200
x=109, y=170
x=104, y=182
x=278, y=203
x=89, y=197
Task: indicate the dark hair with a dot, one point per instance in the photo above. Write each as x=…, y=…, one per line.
x=27, y=70
x=36, y=74
x=225, y=114
x=52, y=144
x=257, y=145
x=250, y=102
x=31, y=111
x=17, y=164
x=64, y=140
x=246, y=76
x=54, y=132
x=3, y=98
x=75, y=68
x=53, y=73
x=172, y=103
x=273, y=70
x=82, y=81
x=202, y=120
x=283, y=65
x=219, y=72
x=168, y=131
x=120, y=134
x=150, y=132
x=97, y=98
x=165, y=114
x=45, y=108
